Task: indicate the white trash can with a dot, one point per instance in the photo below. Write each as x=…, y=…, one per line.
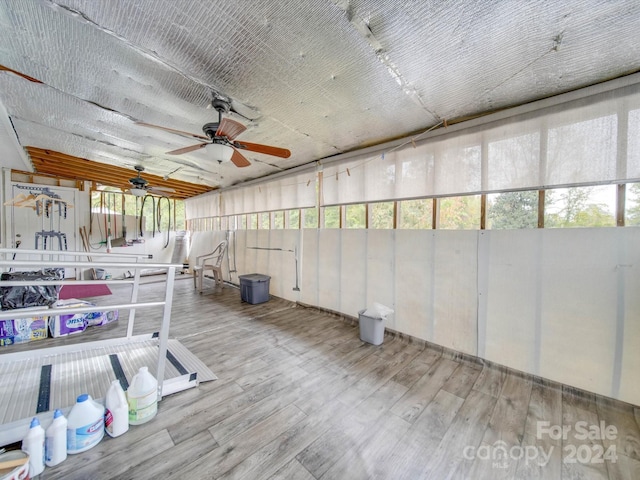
x=371, y=328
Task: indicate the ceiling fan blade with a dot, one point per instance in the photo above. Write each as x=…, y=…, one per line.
x=180, y=151
x=173, y=130
x=239, y=160
x=230, y=128
x=266, y=149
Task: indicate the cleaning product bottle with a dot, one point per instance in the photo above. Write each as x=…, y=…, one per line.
x=142, y=395
x=116, y=417
x=33, y=444
x=55, y=441
x=85, y=425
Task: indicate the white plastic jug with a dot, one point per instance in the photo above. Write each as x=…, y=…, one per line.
x=55, y=442
x=33, y=444
x=85, y=425
x=116, y=417
x=143, y=397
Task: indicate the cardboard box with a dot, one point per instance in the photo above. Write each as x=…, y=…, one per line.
x=62, y=325
x=23, y=330
x=97, y=319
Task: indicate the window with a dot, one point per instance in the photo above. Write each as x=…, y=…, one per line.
x=580, y=207
x=415, y=214
x=310, y=217
x=331, y=217
x=294, y=219
x=632, y=214
x=252, y=221
x=278, y=220
x=381, y=215
x=264, y=221
x=512, y=210
x=460, y=213
x=356, y=216
x=242, y=222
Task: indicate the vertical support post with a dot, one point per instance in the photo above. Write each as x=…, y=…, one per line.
x=163, y=338
x=134, y=299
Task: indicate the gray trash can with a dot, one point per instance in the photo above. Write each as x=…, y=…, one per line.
x=371, y=329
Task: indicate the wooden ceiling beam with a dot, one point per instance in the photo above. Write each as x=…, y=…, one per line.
x=67, y=166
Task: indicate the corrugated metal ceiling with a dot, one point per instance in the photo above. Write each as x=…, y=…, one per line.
x=316, y=77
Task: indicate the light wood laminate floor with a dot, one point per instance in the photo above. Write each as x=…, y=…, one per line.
x=299, y=396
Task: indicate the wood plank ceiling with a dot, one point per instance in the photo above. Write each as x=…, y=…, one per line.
x=66, y=166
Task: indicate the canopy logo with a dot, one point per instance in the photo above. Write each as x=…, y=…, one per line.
x=592, y=450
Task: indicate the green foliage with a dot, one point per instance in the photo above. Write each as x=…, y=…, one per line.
x=571, y=207
x=381, y=215
x=331, y=217
x=460, y=213
x=633, y=205
x=294, y=218
x=356, y=216
x=416, y=214
x=310, y=217
x=513, y=210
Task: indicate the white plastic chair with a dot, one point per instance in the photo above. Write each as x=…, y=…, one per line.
x=210, y=261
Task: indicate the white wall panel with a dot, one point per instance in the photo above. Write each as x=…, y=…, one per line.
x=381, y=250
x=579, y=302
x=511, y=298
x=309, y=267
x=456, y=296
x=353, y=272
x=628, y=271
x=414, y=283
x=329, y=257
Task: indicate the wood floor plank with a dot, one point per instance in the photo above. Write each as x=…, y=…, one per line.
x=407, y=458
x=224, y=458
x=362, y=461
x=297, y=388
x=292, y=470
x=424, y=390
x=349, y=433
x=164, y=465
x=236, y=423
x=578, y=408
x=466, y=429
x=490, y=381
x=462, y=379
x=626, y=437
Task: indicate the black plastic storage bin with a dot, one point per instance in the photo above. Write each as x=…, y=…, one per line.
x=254, y=288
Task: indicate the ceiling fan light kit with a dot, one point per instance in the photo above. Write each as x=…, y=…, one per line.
x=222, y=134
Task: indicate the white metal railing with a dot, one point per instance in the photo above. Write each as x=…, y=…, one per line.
x=163, y=334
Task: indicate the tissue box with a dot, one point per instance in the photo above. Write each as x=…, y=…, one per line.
x=62, y=325
x=97, y=319
x=23, y=330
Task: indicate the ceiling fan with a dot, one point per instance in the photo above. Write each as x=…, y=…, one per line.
x=140, y=187
x=224, y=133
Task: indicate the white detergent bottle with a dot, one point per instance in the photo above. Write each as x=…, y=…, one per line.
x=143, y=397
x=55, y=441
x=116, y=417
x=85, y=425
x=33, y=444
